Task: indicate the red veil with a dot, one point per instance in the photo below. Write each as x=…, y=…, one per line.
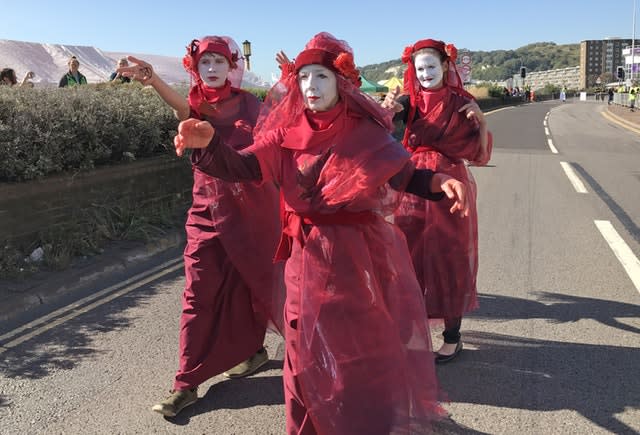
x=284, y=104
x=199, y=93
x=359, y=357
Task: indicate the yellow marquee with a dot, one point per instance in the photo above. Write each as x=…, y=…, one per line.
x=392, y=83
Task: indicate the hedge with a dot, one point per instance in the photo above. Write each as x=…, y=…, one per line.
x=46, y=131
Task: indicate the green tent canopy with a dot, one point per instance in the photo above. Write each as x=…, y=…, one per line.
x=371, y=88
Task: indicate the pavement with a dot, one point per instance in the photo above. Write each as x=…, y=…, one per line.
x=48, y=288
x=119, y=259
x=624, y=117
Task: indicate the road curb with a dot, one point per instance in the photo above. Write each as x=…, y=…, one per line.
x=631, y=126
x=46, y=288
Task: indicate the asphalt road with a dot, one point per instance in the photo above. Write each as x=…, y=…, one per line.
x=554, y=348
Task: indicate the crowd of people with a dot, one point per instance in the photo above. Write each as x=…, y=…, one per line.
x=8, y=78
x=72, y=77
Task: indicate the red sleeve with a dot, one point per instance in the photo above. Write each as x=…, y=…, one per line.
x=269, y=154
x=221, y=161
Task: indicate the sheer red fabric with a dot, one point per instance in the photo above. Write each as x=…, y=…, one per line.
x=284, y=105
x=233, y=291
x=444, y=248
x=203, y=98
x=246, y=215
x=359, y=357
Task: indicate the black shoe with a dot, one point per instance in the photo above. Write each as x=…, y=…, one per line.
x=441, y=359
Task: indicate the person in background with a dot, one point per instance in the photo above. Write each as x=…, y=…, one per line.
x=8, y=77
x=117, y=76
x=445, y=129
x=232, y=289
x=563, y=95
x=73, y=77
x=610, y=94
x=358, y=354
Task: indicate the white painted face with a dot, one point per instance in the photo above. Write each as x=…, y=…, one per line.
x=319, y=87
x=429, y=70
x=213, y=69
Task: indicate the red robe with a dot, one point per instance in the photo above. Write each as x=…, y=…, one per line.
x=444, y=247
x=232, y=231
x=358, y=357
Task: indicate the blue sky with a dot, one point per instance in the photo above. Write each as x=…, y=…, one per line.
x=376, y=30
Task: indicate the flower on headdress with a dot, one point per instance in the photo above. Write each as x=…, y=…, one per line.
x=451, y=51
x=345, y=65
x=288, y=69
x=187, y=62
x=406, y=54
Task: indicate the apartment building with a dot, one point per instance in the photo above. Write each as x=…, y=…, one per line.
x=602, y=56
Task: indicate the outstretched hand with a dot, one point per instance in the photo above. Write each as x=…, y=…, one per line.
x=140, y=71
x=282, y=58
x=390, y=102
x=285, y=64
x=473, y=112
x=193, y=133
x=454, y=190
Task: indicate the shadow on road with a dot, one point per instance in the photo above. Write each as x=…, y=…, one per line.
x=558, y=308
x=597, y=381
x=615, y=208
x=70, y=342
x=237, y=394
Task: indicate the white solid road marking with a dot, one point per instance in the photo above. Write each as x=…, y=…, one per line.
x=553, y=149
x=625, y=255
x=43, y=324
x=575, y=180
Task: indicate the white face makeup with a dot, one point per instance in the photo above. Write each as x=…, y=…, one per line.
x=319, y=87
x=429, y=70
x=213, y=69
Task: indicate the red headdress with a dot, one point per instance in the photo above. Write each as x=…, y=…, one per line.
x=448, y=54
x=284, y=103
x=224, y=46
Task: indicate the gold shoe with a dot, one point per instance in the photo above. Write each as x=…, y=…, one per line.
x=245, y=368
x=176, y=402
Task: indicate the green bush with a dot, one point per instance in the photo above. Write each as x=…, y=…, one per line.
x=258, y=92
x=46, y=131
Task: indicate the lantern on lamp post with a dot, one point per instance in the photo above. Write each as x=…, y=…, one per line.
x=246, y=51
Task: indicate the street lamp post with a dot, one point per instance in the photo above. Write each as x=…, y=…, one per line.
x=633, y=43
x=246, y=50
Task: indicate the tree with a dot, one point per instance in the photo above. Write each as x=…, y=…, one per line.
x=607, y=77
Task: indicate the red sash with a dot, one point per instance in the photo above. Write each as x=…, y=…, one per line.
x=292, y=226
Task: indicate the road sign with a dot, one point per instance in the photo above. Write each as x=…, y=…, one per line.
x=464, y=68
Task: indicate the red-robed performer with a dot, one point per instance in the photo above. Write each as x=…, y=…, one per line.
x=232, y=231
x=445, y=129
x=358, y=353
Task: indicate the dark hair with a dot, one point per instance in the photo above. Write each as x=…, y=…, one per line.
x=9, y=73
